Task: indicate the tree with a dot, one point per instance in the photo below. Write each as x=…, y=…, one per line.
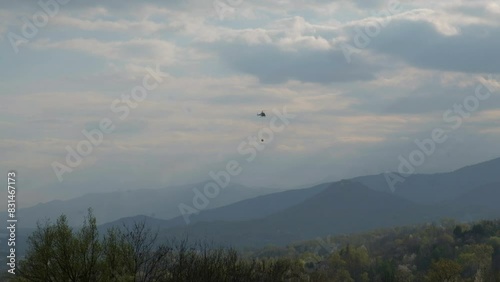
x=146, y=256
x=444, y=270
x=88, y=249
x=458, y=232
x=39, y=263
x=476, y=258
x=117, y=257
x=386, y=271
x=57, y=253
x=403, y=274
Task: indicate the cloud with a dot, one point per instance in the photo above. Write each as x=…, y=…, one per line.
x=273, y=65
x=127, y=26
x=472, y=50
x=290, y=49
x=138, y=50
x=265, y=55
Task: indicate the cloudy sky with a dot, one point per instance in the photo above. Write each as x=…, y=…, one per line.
x=363, y=81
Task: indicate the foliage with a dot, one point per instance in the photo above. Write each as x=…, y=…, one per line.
x=444, y=270
x=443, y=251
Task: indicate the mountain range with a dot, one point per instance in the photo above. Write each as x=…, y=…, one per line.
x=250, y=217
x=155, y=203
x=346, y=206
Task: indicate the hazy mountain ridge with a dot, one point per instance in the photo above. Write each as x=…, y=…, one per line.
x=282, y=217
x=438, y=187
x=349, y=206
x=479, y=203
x=253, y=208
x=343, y=207
x=110, y=206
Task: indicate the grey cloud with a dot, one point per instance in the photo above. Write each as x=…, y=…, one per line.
x=362, y=4
x=434, y=99
x=248, y=98
x=272, y=65
x=111, y=4
x=130, y=126
x=430, y=97
x=473, y=50
x=475, y=9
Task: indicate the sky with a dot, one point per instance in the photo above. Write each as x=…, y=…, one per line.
x=357, y=84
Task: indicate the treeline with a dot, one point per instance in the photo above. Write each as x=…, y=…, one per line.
x=437, y=252
x=56, y=252
x=444, y=251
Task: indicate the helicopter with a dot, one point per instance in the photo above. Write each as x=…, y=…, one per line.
x=262, y=115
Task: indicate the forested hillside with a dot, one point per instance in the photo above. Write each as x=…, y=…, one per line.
x=434, y=252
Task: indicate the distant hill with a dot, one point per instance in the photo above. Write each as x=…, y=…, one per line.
x=347, y=206
x=342, y=207
x=254, y=208
x=244, y=216
x=155, y=203
x=480, y=203
x=439, y=187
